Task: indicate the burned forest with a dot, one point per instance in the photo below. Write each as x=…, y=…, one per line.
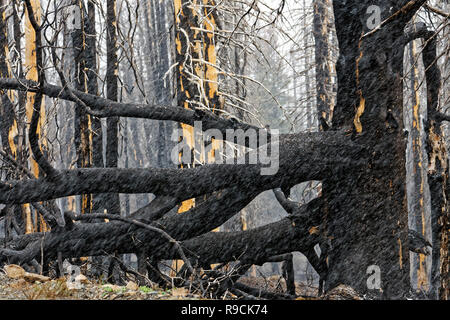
x=256, y=149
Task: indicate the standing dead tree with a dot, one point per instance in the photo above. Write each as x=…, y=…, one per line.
x=361, y=217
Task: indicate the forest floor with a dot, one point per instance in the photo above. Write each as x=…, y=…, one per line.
x=58, y=289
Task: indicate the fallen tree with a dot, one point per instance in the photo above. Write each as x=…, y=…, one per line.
x=360, y=219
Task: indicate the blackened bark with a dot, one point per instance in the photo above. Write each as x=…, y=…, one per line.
x=289, y=275
x=416, y=196
x=195, y=222
x=371, y=200
x=78, y=78
x=82, y=130
x=324, y=105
